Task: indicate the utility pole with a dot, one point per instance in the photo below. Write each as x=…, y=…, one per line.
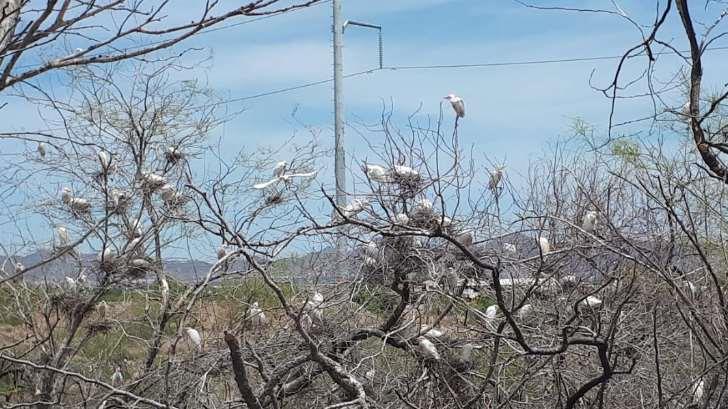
x=339, y=154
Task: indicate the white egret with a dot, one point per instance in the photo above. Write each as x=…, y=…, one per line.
x=279, y=175
x=168, y=193
x=194, y=336
x=106, y=255
x=427, y=349
x=104, y=161
x=118, y=199
x=589, y=223
x=76, y=204
x=71, y=284
x=510, y=248
x=490, y=313
x=591, y=301
x=698, y=390
x=102, y=308
x=495, y=178
x=465, y=238
x=544, y=244
x=62, y=237
x=355, y=207
x=458, y=105
x=422, y=205
x=140, y=264
x=524, y=311
x=19, y=267
x=432, y=332
x=405, y=172
x=164, y=287
x=401, y=218
x=117, y=378
x=257, y=316
x=371, y=249
x=221, y=252
x=470, y=294
x=377, y=173
x=279, y=169
x=151, y=181
x=41, y=150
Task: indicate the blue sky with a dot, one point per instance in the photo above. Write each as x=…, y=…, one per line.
x=513, y=112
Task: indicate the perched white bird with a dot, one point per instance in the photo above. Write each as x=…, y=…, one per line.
x=279, y=169
x=102, y=308
x=314, y=307
x=524, y=311
x=589, y=223
x=427, y=349
x=568, y=280
x=370, y=374
x=140, y=264
x=495, y=178
x=458, y=105
x=257, y=316
x=168, y=193
x=405, y=172
x=76, y=204
x=164, y=286
x=470, y=294
x=62, y=237
x=490, y=313
x=118, y=199
x=106, y=255
x=221, y=252
x=377, y=173
x=422, y=205
x=371, y=249
x=19, y=267
x=194, y=336
x=41, y=150
x=104, y=161
x=698, y=390
x=355, y=207
x=510, y=248
x=134, y=244
x=543, y=243
x=117, y=378
x=151, y=181
x=71, y=284
x=432, y=332
x=592, y=301
x=465, y=238
x=401, y=218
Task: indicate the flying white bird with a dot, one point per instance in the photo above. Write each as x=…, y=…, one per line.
x=152, y=181
x=102, y=308
x=495, y=178
x=543, y=243
x=194, y=337
x=377, y=173
x=405, y=172
x=41, y=150
x=698, y=390
x=589, y=223
x=427, y=349
x=592, y=301
x=355, y=207
x=257, y=316
x=62, y=237
x=221, y=252
x=117, y=378
x=279, y=175
x=458, y=105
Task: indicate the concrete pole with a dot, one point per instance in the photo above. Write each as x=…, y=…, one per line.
x=339, y=155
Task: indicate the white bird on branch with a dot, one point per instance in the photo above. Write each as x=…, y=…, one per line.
x=117, y=378
x=104, y=161
x=405, y=172
x=102, y=309
x=194, y=336
x=280, y=168
x=490, y=313
x=19, y=267
x=62, y=237
x=71, y=284
x=427, y=349
x=510, y=248
x=164, y=287
x=589, y=223
x=592, y=301
x=544, y=244
x=458, y=105
x=423, y=206
x=371, y=249
x=698, y=391
x=41, y=150
x=377, y=173
x=355, y=207
x=257, y=316
x=76, y=204
x=495, y=178
x=432, y=332
x=401, y=218
x=151, y=181
x=174, y=154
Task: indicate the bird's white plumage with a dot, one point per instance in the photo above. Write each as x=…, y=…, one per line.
x=41, y=150
x=405, y=172
x=698, y=391
x=117, y=378
x=104, y=160
x=592, y=301
x=194, y=336
x=525, y=311
x=491, y=312
x=377, y=173
x=510, y=248
x=102, y=308
x=279, y=168
x=62, y=236
x=19, y=267
x=257, y=316
x=470, y=294
x=164, y=286
x=152, y=181
x=71, y=284
x=401, y=218
x=265, y=185
x=422, y=205
x=458, y=105
x=432, y=332
x=544, y=244
x=106, y=255
x=495, y=178
x=466, y=353
x=589, y=222
x=355, y=207
x=427, y=349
